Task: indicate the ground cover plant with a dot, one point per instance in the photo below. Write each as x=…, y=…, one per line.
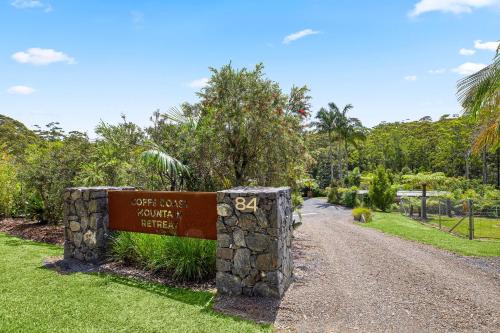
x=36, y=299
x=404, y=227
x=185, y=259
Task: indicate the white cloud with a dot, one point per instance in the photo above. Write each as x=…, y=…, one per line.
x=199, y=83
x=437, y=71
x=451, y=6
x=24, y=4
x=411, y=78
x=480, y=45
x=466, y=52
x=38, y=56
x=468, y=68
x=298, y=35
x=20, y=90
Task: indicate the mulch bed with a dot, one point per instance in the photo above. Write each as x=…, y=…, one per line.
x=31, y=230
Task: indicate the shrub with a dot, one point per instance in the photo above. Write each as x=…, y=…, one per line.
x=333, y=195
x=297, y=201
x=308, y=187
x=381, y=192
x=357, y=212
x=9, y=188
x=350, y=197
x=354, y=177
x=184, y=259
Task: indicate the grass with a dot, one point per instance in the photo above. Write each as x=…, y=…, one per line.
x=483, y=227
x=35, y=299
x=404, y=227
x=185, y=259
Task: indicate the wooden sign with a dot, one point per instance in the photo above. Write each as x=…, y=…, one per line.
x=188, y=214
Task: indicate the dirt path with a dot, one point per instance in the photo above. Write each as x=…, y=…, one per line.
x=350, y=278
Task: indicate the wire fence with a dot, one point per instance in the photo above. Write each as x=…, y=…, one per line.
x=466, y=218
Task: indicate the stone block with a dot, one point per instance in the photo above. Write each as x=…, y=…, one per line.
x=74, y=226
x=257, y=242
x=228, y=283
x=224, y=253
x=241, y=262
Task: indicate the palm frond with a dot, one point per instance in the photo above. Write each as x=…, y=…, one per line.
x=164, y=162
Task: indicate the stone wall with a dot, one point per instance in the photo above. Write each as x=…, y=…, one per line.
x=86, y=222
x=254, y=247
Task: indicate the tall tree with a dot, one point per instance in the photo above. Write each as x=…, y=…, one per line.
x=326, y=124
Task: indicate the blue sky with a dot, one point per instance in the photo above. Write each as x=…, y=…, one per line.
x=78, y=62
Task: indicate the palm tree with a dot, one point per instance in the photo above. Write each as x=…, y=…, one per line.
x=350, y=131
x=170, y=170
x=326, y=124
x=479, y=95
x=341, y=129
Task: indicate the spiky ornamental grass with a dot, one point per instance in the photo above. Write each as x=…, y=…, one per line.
x=184, y=259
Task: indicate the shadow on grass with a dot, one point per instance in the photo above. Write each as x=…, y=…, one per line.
x=15, y=241
x=198, y=298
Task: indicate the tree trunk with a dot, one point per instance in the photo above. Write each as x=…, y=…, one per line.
x=339, y=163
x=467, y=167
x=424, y=202
x=330, y=156
x=498, y=168
x=485, y=166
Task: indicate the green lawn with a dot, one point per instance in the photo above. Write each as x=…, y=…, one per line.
x=483, y=227
x=35, y=299
x=404, y=227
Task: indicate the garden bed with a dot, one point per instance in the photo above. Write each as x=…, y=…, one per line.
x=54, y=234
x=32, y=230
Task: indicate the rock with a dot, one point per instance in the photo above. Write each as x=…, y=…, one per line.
x=74, y=226
x=262, y=289
x=266, y=262
x=223, y=240
x=77, y=239
x=94, y=220
x=76, y=194
x=228, y=283
x=230, y=221
x=224, y=210
x=84, y=221
x=223, y=265
x=239, y=238
x=241, y=262
x=89, y=238
x=257, y=242
x=81, y=207
x=224, y=253
x=261, y=218
x=97, y=205
x=247, y=222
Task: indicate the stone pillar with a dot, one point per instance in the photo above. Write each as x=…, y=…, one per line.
x=254, y=241
x=86, y=222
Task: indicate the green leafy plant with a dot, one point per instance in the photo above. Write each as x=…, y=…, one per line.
x=184, y=259
x=358, y=212
x=381, y=192
x=349, y=197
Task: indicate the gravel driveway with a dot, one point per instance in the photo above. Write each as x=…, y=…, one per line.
x=350, y=278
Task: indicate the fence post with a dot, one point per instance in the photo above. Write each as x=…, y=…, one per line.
x=471, y=219
x=439, y=208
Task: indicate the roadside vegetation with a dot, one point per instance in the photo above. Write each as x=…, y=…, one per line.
x=401, y=226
